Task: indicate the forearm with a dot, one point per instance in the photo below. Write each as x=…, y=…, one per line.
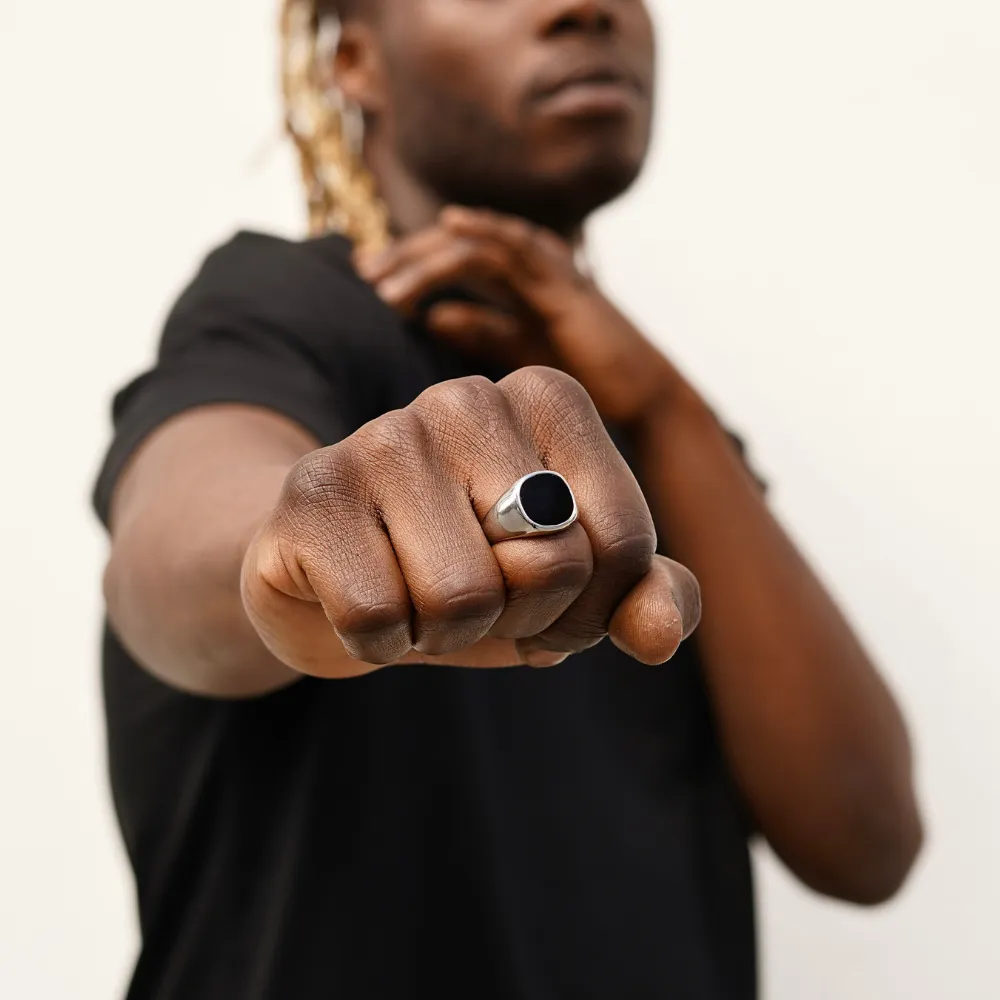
x=816, y=742
x=182, y=520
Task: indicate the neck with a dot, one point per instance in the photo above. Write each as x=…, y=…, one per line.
x=412, y=205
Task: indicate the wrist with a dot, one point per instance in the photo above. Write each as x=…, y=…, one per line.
x=629, y=380
x=656, y=394
x=676, y=402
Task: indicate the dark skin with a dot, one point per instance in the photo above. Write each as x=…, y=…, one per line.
x=245, y=556
x=457, y=96
x=451, y=94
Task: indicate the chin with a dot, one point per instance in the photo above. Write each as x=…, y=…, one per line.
x=557, y=183
x=580, y=188
x=609, y=174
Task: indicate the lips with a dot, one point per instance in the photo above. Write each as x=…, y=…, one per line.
x=592, y=74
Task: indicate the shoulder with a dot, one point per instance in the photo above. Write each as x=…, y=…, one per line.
x=266, y=322
x=250, y=253
x=304, y=292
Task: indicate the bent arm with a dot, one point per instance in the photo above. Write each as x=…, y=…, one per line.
x=182, y=516
x=814, y=737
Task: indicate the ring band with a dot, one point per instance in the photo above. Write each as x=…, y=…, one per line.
x=540, y=503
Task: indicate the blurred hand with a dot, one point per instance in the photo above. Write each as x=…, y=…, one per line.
x=375, y=553
x=541, y=309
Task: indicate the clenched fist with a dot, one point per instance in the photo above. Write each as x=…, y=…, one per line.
x=376, y=553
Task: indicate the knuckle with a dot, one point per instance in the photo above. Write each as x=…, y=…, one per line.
x=359, y=616
x=320, y=497
x=460, y=395
x=540, y=378
x=389, y=442
x=576, y=633
x=467, y=413
x=549, y=387
x=560, y=575
x=553, y=565
x=556, y=409
x=628, y=544
x=472, y=601
x=316, y=479
x=336, y=480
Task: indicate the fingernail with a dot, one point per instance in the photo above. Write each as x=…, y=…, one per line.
x=544, y=658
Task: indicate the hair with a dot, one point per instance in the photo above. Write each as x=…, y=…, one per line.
x=340, y=191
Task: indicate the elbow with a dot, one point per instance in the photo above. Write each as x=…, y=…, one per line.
x=123, y=592
x=881, y=869
x=885, y=830
x=125, y=601
x=194, y=640
x=891, y=857
x=877, y=853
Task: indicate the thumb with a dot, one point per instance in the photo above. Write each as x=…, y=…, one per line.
x=658, y=613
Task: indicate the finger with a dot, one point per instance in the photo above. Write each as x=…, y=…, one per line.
x=446, y=264
x=537, y=250
x=523, y=239
x=460, y=319
x=481, y=446
x=486, y=654
x=544, y=576
x=658, y=613
x=474, y=328
x=687, y=593
x=484, y=224
x=455, y=585
x=542, y=262
x=328, y=562
x=385, y=509
x=562, y=422
x=298, y=632
x=374, y=266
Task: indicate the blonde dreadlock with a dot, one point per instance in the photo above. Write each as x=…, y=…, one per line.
x=340, y=190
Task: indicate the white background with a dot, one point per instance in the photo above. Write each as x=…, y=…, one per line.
x=817, y=242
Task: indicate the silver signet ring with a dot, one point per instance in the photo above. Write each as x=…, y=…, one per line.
x=540, y=503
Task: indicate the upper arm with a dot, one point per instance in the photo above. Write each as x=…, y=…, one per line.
x=251, y=374
x=208, y=462
x=260, y=328
x=184, y=510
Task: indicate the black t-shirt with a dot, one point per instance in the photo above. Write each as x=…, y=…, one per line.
x=422, y=831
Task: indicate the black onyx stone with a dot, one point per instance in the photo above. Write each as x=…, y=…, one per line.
x=546, y=499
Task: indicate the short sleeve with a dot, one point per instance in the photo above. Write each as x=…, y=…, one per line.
x=264, y=322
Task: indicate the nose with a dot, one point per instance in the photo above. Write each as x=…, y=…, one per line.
x=591, y=17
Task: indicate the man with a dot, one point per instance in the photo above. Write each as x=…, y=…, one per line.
x=318, y=800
